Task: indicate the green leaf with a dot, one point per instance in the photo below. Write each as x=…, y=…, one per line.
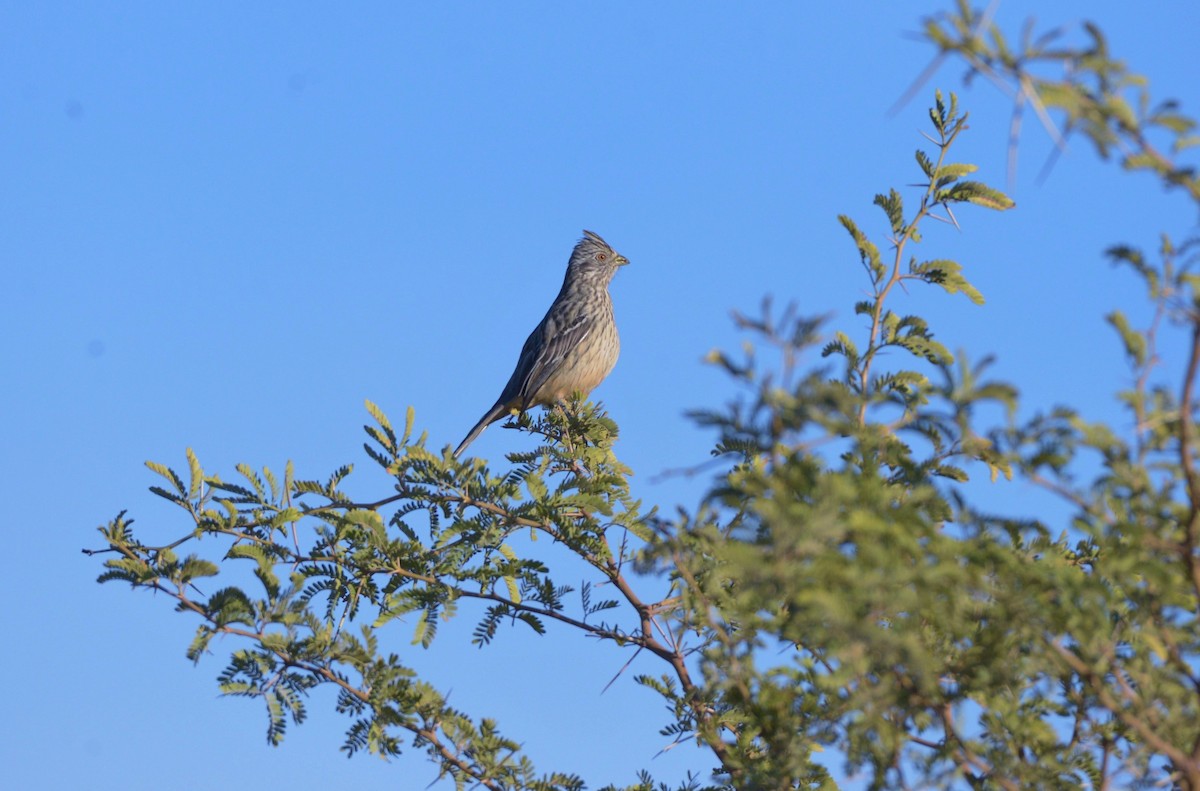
x=229, y=606
x=536, y=486
x=927, y=348
x=371, y=520
x=426, y=628
x=893, y=206
x=533, y=621
x=163, y=493
x=927, y=166
x=937, y=114
x=197, y=475
x=1141, y=161
x=953, y=172
x=274, y=641
x=948, y=275
x=255, y=481
x=194, y=566
x=841, y=344
x=271, y=482
x=199, y=644
x=867, y=251
x=393, y=608
x=1122, y=112
x=1134, y=341
x=410, y=415
x=978, y=194
x=514, y=592
x=378, y=415
x=170, y=475
x=952, y=472
x=264, y=562
x=1185, y=142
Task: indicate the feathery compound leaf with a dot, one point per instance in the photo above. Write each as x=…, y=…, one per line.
x=841, y=344
x=893, y=206
x=197, y=475
x=265, y=562
x=170, y=475
x=1185, y=142
x=485, y=630
x=533, y=621
x=867, y=250
x=199, y=644
x=163, y=493
x=194, y=566
x=978, y=194
x=159, y=468
x=514, y=591
x=950, y=471
x=638, y=525
x=228, y=606
x=927, y=166
x=271, y=482
x=394, y=607
x=250, y=475
x=1134, y=341
x=410, y=416
x=927, y=348
x=953, y=172
x=426, y=628
x=378, y=415
x=948, y=275
x=937, y=114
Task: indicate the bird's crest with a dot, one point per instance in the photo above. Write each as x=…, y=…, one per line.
x=590, y=242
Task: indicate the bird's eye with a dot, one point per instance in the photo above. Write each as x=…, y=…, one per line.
x=601, y=257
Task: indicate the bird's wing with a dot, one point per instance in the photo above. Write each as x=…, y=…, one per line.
x=541, y=356
x=544, y=352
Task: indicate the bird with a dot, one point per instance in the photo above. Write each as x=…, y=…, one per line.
x=574, y=347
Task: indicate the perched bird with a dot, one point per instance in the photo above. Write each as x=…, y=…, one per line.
x=576, y=344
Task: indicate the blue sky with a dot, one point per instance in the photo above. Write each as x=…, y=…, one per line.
x=223, y=226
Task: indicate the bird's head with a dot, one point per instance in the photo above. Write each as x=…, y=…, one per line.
x=592, y=258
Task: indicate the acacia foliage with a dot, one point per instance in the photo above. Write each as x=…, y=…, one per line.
x=836, y=591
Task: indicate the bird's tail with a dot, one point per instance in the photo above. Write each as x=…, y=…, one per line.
x=491, y=417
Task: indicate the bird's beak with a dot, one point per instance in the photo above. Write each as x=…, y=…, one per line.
x=621, y=260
